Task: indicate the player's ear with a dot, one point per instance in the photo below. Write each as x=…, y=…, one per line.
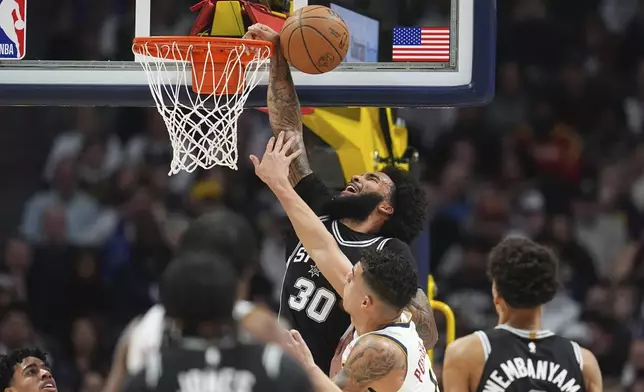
x=366, y=301
x=385, y=208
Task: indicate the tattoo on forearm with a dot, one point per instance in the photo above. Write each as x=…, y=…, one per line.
x=423, y=317
x=284, y=113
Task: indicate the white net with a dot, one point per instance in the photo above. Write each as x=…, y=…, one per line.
x=202, y=127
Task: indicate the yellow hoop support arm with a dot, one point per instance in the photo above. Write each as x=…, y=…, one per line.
x=356, y=136
x=448, y=313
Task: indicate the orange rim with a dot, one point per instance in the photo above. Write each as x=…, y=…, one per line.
x=207, y=55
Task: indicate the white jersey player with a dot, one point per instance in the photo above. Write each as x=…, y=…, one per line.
x=387, y=354
x=419, y=376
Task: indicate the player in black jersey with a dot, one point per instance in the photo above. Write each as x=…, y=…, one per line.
x=220, y=232
x=26, y=370
x=375, y=211
x=199, y=293
x=517, y=356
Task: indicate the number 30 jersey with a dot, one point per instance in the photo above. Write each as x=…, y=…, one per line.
x=308, y=301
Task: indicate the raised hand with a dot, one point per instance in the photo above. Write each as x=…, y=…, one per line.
x=298, y=349
x=274, y=166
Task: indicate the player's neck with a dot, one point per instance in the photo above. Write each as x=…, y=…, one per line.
x=369, y=225
x=373, y=324
x=525, y=319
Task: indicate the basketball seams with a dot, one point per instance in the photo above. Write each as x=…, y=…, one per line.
x=326, y=39
x=290, y=39
x=306, y=49
x=310, y=9
x=339, y=23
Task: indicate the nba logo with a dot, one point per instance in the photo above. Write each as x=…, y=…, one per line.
x=13, y=26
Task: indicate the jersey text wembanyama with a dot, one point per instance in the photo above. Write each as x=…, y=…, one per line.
x=529, y=361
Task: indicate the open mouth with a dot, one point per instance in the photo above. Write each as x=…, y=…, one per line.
x=48, y=386
x=351, y=188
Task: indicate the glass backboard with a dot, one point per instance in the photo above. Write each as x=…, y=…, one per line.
x=455, y=69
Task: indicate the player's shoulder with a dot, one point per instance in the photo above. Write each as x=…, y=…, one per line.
x=393, y=244
x=378, y=346
x=591, y=371
x=474, y=344
x=398, y=247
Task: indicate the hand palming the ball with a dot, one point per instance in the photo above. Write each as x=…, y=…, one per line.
x=262, y=32
x=314, y=39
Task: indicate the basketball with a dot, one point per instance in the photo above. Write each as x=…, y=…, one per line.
x=314, y=39
x=19, y=25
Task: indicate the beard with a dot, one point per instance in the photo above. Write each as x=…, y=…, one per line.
x=354, y=207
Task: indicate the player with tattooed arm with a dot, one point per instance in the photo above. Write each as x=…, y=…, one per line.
x=386, y=353
x=377, y=210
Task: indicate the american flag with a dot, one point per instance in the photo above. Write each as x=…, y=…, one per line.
x=421, y=44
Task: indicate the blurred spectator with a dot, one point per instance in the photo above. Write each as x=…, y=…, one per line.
x=92, y=382
x=468, y=288
x=83, y=355
x=17, y=261
x=577, y=269
x=85, y=293
x=65, y=213
x=602, y=233
x=531, y=217
x=69, y=145
x=509, y=108
x=16, y=330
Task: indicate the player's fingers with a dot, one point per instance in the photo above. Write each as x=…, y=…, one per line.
x=287, y=145
x=297, y=336
x=255, y=161
x=294, y=155
x=270, y=144
x=279, y=143
x=259, y=30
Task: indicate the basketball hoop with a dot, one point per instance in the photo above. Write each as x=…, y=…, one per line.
x=202, y=123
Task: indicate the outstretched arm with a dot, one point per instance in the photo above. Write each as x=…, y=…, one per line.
x=283, y=105
x=423, y=317
x=316, y=239
x=375, y=362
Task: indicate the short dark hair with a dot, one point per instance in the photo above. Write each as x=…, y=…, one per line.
x=410, y=206
x=8, y=363
x=524, y=272
x=197, y=288
x=390, y=275
x=222, y=233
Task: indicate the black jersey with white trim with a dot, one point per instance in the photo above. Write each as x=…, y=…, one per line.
x=529, y=361
x=195, y=365
x=308, y=301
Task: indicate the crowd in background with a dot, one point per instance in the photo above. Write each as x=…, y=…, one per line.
x=558, y=156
